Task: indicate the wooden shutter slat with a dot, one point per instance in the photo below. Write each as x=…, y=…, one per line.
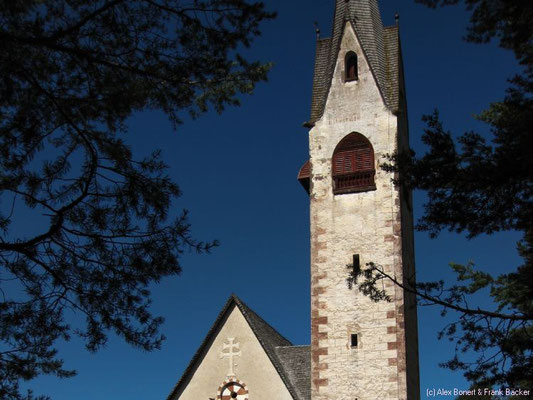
x=353, y=165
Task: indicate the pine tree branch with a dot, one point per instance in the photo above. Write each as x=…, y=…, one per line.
x=436, y=300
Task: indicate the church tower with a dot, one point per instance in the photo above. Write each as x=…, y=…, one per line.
x=360, y=350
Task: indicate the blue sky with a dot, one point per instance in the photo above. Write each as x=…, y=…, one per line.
x=238, y=175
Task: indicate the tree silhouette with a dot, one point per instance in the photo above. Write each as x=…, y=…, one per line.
x=478, y=186
x=72, y=72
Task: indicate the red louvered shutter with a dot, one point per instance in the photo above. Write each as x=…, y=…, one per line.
x=337, y=164
x=353, y=165
x=304, y=176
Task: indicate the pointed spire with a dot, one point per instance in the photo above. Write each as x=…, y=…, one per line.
x=365, y=19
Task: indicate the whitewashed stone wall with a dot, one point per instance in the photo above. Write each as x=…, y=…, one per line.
x=368, y=224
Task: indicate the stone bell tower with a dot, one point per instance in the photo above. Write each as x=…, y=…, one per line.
x=360, y=350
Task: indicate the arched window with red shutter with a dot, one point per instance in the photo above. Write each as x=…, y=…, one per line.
x=350, y=66
x=353, y=167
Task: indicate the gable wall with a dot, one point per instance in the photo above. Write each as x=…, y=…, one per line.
x=253, y=367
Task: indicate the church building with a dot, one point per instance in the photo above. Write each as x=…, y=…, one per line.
x=360, y=350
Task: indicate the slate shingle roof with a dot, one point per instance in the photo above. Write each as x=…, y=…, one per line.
x=293, y=363
x=392, y=64
x=320, y=82
x=286, y=358
x=296, y=362
x=380, y=47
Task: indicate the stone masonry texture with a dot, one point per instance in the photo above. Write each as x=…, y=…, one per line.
x=377, y=225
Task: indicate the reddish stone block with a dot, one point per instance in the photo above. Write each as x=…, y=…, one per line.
x=318, y=290
x=322, y=366
x=320, y=382
x=321, y=351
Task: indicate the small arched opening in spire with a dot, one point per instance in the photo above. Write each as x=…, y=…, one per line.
x=353, y=167
x=350, y=67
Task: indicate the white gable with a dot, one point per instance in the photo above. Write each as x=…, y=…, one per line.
x=252, y=367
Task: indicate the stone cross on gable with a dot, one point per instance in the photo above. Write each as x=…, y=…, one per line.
x=229, y=354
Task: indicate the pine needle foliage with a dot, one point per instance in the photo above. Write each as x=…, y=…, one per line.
x=71, y=73
x=480, y=185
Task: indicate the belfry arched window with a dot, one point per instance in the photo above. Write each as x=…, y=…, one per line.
x=350, y=66
x=353, y=167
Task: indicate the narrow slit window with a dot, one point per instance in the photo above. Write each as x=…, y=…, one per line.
x=356, y=264
x=353, y=340
x=351, y=67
